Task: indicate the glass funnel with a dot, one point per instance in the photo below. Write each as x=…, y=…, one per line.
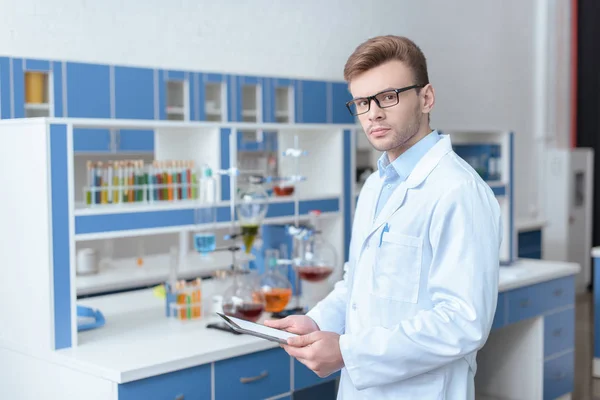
x=315, y=258
x=244, y=298
x=251, y=206
x=276, y=288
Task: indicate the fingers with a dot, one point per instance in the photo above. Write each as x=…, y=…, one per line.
x=300, y=353
x=303, y=341
x=279, y=323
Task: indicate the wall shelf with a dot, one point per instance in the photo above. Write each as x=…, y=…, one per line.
x=122, y=274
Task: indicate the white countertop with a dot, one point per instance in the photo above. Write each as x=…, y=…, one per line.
x=138, y=341
x=596, y=252
x=529, y=224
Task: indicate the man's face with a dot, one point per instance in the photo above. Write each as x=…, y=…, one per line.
x=389, y=129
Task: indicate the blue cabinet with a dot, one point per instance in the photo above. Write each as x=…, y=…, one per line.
x=189, y=384
x=559, y=331
x=88, y=96
x=559, y=376
x=255, y=376
x=5, y=83
x=530, y=244
x=134, y=93
x=304, y=377
x=500, y=316
x=311, y=101
x=280, y=101
x=57, y=76
x=246, y=99
x=214, y=92
x=339, y=97
x=18, y=88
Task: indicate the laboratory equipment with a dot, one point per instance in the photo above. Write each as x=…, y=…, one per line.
x=244, y=298
x=276, y=288
x=315, y=257
x=252, y=205
x=206, y=212
x=183, y=299
x=87, y=261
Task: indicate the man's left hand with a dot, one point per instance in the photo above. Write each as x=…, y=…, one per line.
x=319, y=351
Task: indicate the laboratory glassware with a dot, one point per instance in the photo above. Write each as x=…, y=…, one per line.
x=275, y=286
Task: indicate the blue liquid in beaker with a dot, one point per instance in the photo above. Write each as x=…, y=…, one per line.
x=204, y=242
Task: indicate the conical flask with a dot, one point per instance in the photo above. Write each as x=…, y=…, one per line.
x=251, y=206
x=244, y=298
x=276, y=288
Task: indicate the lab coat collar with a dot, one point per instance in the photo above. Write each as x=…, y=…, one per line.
x=423, y=168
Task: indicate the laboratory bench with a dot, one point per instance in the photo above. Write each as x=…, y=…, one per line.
x=140, y=353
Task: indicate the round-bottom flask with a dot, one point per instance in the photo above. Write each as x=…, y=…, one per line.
x=244, y=298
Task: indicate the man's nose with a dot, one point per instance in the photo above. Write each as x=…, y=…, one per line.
x=375, y=112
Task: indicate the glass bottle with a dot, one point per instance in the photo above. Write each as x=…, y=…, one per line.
x=251, y=206
x=206, y=212
x=316, y=258
x=244, y=298
x=276, y=288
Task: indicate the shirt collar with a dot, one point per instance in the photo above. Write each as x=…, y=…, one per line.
x=403, y=165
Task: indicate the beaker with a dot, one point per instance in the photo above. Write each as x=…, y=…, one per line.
x=244, y=298
x=276, y=288
x=251, y=206
x=205, y=214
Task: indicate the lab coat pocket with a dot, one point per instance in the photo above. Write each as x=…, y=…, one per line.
x=397, y=271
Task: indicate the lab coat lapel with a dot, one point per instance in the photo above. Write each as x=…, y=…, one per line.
x=417, y=176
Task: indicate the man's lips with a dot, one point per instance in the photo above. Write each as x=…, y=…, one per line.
x=378, y=132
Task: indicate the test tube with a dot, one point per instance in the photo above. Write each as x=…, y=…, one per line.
x=109, y=182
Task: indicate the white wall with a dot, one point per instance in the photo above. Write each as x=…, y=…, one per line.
x=483, y=55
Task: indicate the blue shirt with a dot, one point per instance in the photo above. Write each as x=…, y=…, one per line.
x=397, y=171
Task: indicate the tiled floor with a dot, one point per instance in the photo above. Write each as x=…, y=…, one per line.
x=586, y=388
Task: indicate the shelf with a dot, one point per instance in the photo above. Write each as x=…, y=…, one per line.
x=125, y=274
x=249, y=113
x=212, y=111
x=106, y=222
x=176, y=110
x=37, y=106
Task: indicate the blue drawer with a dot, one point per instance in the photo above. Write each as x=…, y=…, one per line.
x=529, y=301
x=559, y=332
x=559, y=376
x=500, y=316
x=254, y=376
x=304, y=377
x=559, y=292
x=189, y=384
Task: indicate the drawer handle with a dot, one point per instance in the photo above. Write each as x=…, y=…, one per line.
x=524, y=303
x=255, y=378
x=180, y=397
x=557, y=332
x=558, y=292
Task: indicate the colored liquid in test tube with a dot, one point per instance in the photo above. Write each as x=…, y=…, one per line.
x=205, y=243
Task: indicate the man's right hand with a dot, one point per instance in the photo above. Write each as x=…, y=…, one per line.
x=298, y=324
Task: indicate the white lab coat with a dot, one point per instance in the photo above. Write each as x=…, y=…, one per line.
x=418, y=298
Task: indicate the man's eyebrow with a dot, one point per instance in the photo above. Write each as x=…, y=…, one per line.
x=381, y=91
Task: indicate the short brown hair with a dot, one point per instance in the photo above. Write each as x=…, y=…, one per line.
x=381, y=49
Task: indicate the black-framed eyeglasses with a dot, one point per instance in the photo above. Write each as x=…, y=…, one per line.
x=387, y=98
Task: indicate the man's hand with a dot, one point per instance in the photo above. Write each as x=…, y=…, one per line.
x=298, y=324
x=319, y=351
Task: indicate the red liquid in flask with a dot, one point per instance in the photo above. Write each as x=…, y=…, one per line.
x=314, y=274
x=247, y=311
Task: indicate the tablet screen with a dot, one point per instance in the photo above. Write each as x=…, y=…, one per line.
x=258, y=328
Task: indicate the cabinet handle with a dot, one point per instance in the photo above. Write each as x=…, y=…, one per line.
x=179, y=397
x=557, y=332
x=263, y=375
x=558, y=292
x=524, y=303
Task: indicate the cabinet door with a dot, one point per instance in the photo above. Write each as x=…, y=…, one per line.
x=279, y=103
x=5, y=88
x=311, y=99
x=18, y=88
x=134, y=99
x=88, y=96
x=304, y=377
x=189, y=384
x=247, y=100
x=339, y=96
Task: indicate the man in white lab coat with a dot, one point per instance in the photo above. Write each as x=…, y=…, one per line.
x=420, y=288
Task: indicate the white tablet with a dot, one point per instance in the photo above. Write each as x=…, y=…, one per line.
x=258, y=330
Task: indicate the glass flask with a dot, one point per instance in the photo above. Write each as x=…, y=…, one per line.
x=206, y=212
x=244, y=298
x=251, y=206
x=276, y=288
x=315, y=258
